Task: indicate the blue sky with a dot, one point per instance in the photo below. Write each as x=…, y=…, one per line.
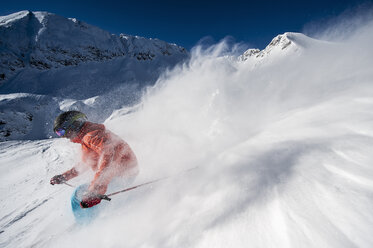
x=187, y=22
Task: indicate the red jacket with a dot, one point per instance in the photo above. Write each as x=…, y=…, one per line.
x=107, y=154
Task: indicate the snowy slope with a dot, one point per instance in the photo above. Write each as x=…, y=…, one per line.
x=23, y=116
x=68, y=61
x=283, y=149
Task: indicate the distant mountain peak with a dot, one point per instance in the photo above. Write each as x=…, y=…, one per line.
x=277, y=45
x=282, y=44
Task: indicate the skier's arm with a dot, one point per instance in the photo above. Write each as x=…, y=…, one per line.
x=70, y=174
x=99, y=184
x=103, y=176
x=64, y=176
x=96, y=141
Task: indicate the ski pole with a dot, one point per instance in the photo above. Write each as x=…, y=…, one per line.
x=150, y=182
x=72, y=186
x=137, y=186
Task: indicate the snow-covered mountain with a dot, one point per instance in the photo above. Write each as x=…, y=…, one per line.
x=284, y=45
x=73, y=65
x=43, y=41
x=281, y=146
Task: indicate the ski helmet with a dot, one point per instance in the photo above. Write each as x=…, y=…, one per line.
x=69, y=121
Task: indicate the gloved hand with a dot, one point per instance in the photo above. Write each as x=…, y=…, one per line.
x=58, y=179
x=89, y=200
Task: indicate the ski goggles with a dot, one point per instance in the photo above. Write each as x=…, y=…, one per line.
x=60, y=132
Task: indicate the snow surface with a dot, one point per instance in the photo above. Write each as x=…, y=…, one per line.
x=283, y=149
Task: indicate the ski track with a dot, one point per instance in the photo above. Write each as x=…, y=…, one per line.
x=23, y=214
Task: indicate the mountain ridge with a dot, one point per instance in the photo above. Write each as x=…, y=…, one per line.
x=43, y=40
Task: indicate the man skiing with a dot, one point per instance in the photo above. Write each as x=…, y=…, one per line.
x=104, y=152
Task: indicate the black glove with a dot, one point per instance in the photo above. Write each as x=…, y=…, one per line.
x=58, y=179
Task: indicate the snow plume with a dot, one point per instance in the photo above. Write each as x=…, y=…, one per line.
x=282, y=150
x=342, y=26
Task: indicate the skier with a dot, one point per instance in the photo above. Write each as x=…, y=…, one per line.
x=107, y=154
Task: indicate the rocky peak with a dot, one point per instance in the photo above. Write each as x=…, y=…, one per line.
x=278, y=44
x=281, y=45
